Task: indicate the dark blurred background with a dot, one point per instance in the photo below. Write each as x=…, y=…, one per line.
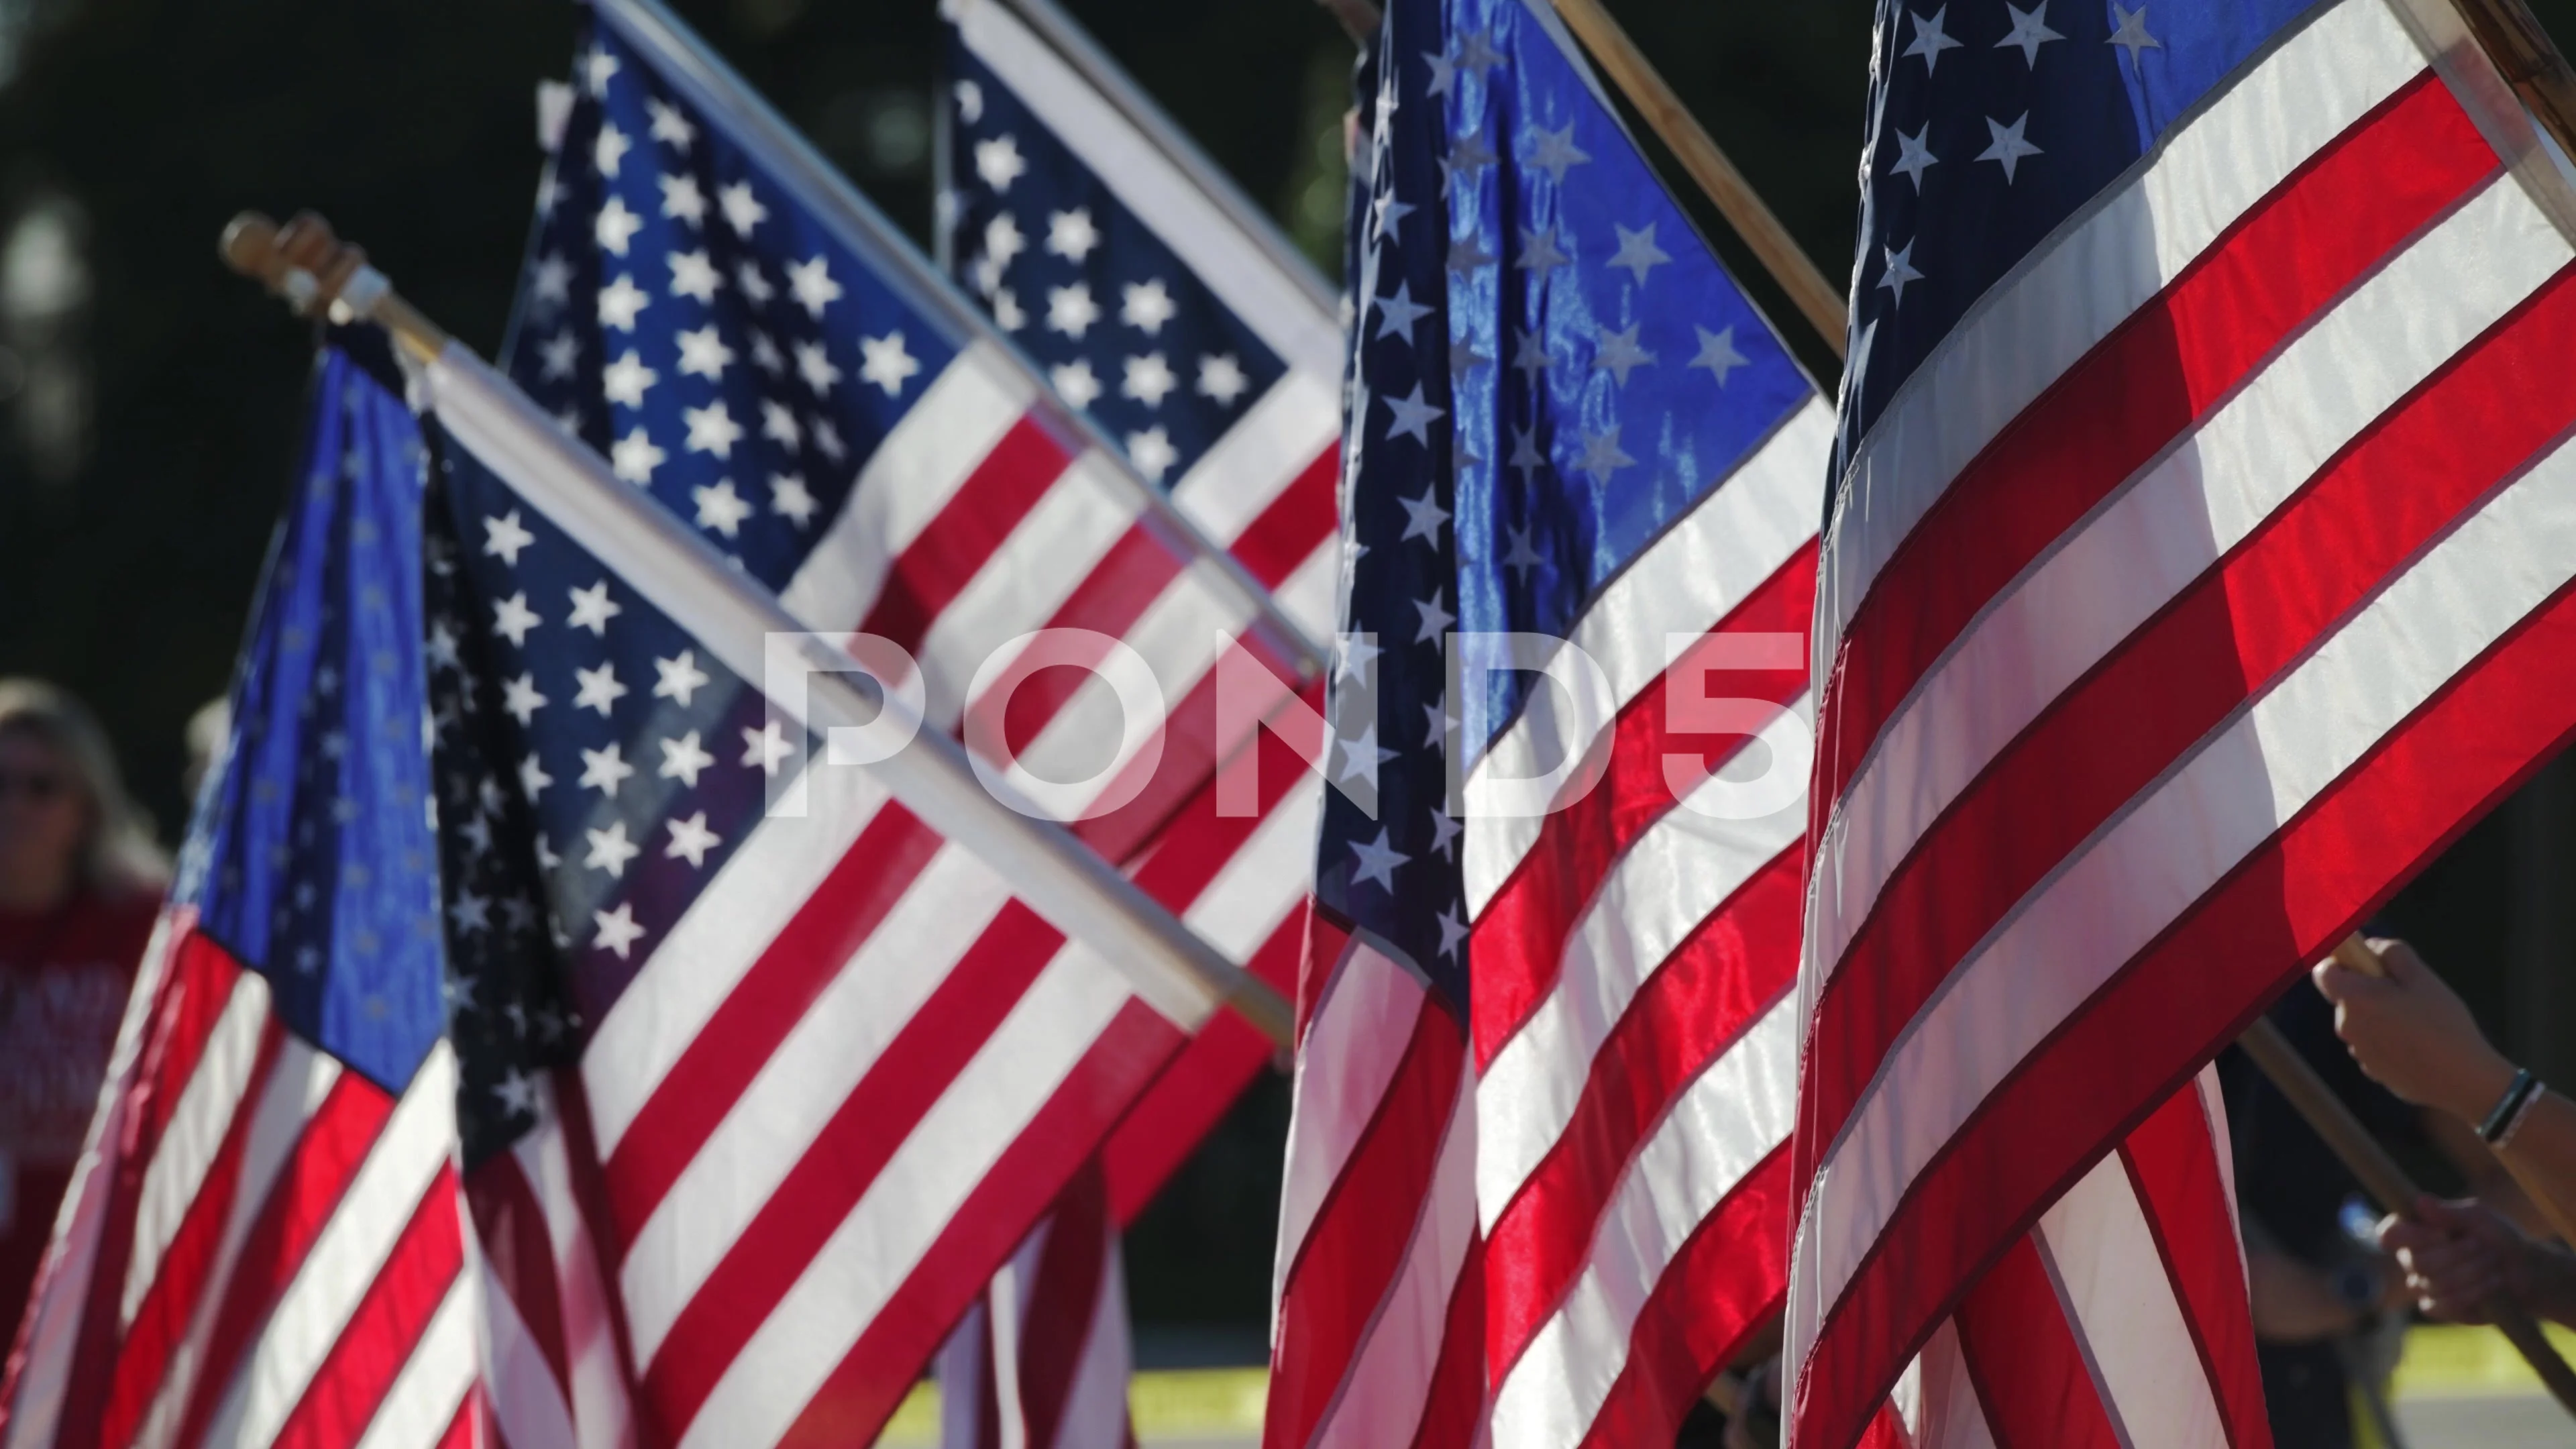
x=148, y=399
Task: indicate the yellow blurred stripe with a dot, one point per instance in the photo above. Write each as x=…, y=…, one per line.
x=2447, y=1360
x=1164, y=1404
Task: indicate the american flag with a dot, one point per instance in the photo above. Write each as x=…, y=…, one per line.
x=834, y=1070
x=1538, y=1168
x=266, y=1243
x=2198, y=565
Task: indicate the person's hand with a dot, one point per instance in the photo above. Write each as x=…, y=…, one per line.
x=2413, y=1035
x=2459, y=1257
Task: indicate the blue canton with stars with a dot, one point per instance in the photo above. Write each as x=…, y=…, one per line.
x=310, y=858
x=1992, y=124
x=687, y=317
x=1551, y=370
x=1121, y=327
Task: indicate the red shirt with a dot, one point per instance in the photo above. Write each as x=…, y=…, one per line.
x=64, y=977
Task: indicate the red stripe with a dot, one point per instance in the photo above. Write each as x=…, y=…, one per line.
x=517, y=1244
x=1453, y=1402
x=2232, y=630
x=1727, y=1282
x=1107, y=601
x=460, y=1429
x=2175, y=1004
x=2174, y=1169
x=2031, y=1375
x=590, y=1202
x=1191, y=751
x=335, y=1144
x=871, y=1380
x=745, y=1031
x=1297, y=522
x=1734, y=967
x=386, y=1327
x=1357, y=1243
x=1064, y=1302
x=2386, y=177
x=956, y=544
x=1519, y=938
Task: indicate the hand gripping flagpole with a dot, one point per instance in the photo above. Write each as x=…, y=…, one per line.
x=2379, y=1173
x=1167, y=964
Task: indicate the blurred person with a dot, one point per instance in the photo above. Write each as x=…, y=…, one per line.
x=80, y=886
x=2459, y=1257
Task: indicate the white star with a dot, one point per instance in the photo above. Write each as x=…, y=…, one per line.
x=691, y=840
x=1435, y=620
x=442, y=648
x=1222, y=379
x=2132, y=35
x=1929, y=41
x=1444, y=832
x=617, y=929
x=998, y=162
x=1075, y=383
x=533, y=778
x=1529, y=355
x=1526, y=455
x=1358, y=652
x=1601, y=455
x=517, y=1094
x=703, y=353
x=669, y=126
x=720, y=508
x=2029, y=31
x=1149, y=379
x=1452, y=930
x=553, y=284
x=1413, y=417
x=683, y=758
x=828, y=438
x=1008, y=314
x=778, y=424
x=1913, y=156
x=742, y=210
x=634, y=457
x=1553, y=152
x=1398, y=315
x=520, y=700
x=1444, y=72
x=681, y=678
x=789, y=499
x=1899, y=272
x=1423, y=517
x=1539, y=251
x=470, y=913
x=597, y=69
x=620, y=302
x=1071, y=235
x=766, y=747
x=1638, y=252
x=692, y=275
x=682, y=201
x=1146, y=306
x=1152, y=453
x=512, y=619
x=557, y=356
x=605, y=770
x=1071, y=311
x=610, y=850
x=2005, y=144
x=815, y=366
x=1521, y=556
x=712, y=429
x=754, y=283
x=970, y=101
x=592, y=609
x=616, y=227
x=1436, y=724
x=504, y=536
x=1377, y=861
x=811, y=282
x=1618, y=354
x=883, y=361
x=609, y=150
x=1362, y=754
x=1386, y=213
x=599, y=689
x=625, y=380
x=1717, y=353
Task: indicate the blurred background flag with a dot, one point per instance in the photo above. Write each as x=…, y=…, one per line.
x=1538, y=1165
x=2197, y=570
x=266, y=1242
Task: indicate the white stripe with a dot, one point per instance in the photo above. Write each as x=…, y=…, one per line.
x=352, y=1247
x=1278, y=438
x=602, y=1410
x=1264, y=880
x=771, y=1127
x=1736, y=1113
x=1938, y=1401
x=2070, y=293
x=526, y=1400
x=423, y=1399
x=1670, y=879
x=2146, y=869
x=2124, y=1313
x=213, y=1093
x=1095, y=1408
x=959, y=1372
x=936, y=446
x=1388, y=1387
x=2179, y=516
x=1311, y=596
x=726, y=930
x=1354, y=1045
x=1145, y=181
x=874, y=1251
x=1700, y=569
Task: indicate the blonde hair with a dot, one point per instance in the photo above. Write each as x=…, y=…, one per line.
x=120, y=857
